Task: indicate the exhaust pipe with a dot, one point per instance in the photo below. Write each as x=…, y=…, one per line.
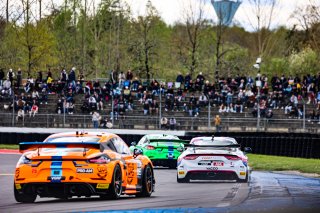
x=39, y=190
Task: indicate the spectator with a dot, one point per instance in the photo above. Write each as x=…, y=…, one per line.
x=72, y=76
x=146, y=107
x=27, y=86
x=217, y=123
x=164, y=123
x=135, y=84
x=59, y=108
x=6, y=88
x=129, y=75
x=44, y=96
x=95, y=119
x=180, y=78
x=1, y=76
x=222, y=108
x=70, y=107
x=97, y=87
x=269, y=114
x=154, y=107
x=99, y=101
x=19, y=78
x=10, y=76
x=172, y=123
x=92, y=103
x=105, y=123
x=20, y=115
x=238, y=105
x=203, y=100
x=122, y=78
x=34, y=110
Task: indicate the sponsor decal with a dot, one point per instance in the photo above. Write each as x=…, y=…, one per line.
x=242, y=173
x=102, y=186
x=34, y=170
x=18, y=186
x=102, y=171
x=83, y=170
x=212, y=168
x=131, y=171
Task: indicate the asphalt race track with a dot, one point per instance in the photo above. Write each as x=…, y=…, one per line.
x=266, y=192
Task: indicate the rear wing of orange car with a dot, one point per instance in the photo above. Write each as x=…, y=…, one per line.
x=24, y=146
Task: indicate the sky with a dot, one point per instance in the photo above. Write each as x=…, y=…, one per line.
x=171, y=11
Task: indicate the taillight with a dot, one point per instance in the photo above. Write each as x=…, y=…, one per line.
x=149, y=147
x=232, y=157
x=180, y=149
x=24, y=160
x=99, y=160
x=190, y=157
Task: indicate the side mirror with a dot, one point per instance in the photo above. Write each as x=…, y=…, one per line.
x=133, y=143
x=247, y=150
x=137, y=152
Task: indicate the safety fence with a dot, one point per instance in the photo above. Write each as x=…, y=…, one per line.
x=230, y=123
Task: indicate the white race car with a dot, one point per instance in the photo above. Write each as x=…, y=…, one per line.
x=213, y=158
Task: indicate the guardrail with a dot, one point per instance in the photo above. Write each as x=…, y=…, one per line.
x=239, y=124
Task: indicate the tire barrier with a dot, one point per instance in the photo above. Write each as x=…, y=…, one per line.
x=280, y=144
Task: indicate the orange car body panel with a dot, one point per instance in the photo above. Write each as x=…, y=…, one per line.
x=74, y=167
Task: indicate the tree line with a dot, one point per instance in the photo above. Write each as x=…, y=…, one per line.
x=97, y=38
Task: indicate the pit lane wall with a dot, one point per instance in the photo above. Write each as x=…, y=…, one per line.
x=304, y=145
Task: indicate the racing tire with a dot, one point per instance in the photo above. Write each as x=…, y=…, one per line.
x=183, y=180
x=147, y=182
x=115, y=188
x=244, y=180
x=24, y=198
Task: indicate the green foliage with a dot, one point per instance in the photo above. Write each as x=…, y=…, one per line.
x=304, y=62
x=109, y=38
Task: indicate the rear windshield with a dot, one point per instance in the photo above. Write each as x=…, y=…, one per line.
x=69, y=139
x=223, y=142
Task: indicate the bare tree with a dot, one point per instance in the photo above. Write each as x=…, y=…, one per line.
x=193, y=19
x=263, y=16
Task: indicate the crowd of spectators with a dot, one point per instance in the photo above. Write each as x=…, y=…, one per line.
x=123, y=91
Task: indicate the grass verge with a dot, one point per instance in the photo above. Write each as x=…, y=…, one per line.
x=9, y=146
x=279, y=163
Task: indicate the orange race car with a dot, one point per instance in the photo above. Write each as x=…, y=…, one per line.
x=81, y=164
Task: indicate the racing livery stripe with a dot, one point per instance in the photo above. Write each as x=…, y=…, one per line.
x=56, y=169
x=170, y=150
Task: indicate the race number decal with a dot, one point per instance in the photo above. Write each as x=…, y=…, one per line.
x=132, y=177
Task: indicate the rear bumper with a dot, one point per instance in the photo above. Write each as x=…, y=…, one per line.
x=62, y=189
x=165, y=162
x=212, y=175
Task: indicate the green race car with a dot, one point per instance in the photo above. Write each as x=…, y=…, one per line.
x=162, y=149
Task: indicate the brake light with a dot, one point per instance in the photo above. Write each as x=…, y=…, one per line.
x=190, y=157
x=24, y=160
x=232, y=157
x=149, y=147
x=99, y=160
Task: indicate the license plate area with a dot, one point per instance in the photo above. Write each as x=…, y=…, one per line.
x=217, y=163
